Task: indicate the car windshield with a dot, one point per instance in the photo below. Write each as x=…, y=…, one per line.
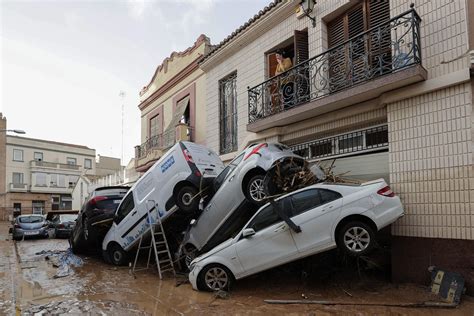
x=68, y=217
x=31, y=219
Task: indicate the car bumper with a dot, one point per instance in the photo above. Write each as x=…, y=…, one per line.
x=193, y=274
x=20, y=233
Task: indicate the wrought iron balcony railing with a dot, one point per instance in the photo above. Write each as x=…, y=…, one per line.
x=160, y=141
x=384, y=49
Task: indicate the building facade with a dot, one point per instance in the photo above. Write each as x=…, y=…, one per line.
x=377, y=88
x=172, y=105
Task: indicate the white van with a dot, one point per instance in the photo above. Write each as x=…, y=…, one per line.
x=171, y=183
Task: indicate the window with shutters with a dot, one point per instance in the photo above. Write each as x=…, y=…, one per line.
x=355, y=61
x=228, y=113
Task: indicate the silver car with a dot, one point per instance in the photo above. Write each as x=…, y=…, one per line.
x=239, y=191
x=30, y=226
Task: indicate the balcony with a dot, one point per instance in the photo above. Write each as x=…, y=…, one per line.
x=42, y=165
x=18, y=187
x=156, y=146
x=381, y=59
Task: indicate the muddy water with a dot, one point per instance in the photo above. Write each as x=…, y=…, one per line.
x=97, y=288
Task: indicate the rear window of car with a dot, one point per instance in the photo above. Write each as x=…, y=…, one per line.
x=31, y=219
x=67, y=218
x=108, y=204
x=108, y=192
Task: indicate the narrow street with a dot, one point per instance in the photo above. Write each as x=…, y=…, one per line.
x=28, y=286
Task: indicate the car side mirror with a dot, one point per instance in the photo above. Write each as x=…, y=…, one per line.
x=247, y=232
x=193, y=222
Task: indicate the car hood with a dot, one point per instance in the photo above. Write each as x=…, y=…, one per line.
x=214, y=250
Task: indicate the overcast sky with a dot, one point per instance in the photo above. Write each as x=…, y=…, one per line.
x=63, y=63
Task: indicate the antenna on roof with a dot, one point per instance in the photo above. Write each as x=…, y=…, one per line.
x=122, y=96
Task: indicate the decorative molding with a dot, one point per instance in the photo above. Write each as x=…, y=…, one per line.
x=202, y=39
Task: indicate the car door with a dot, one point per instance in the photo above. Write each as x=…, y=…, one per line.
x=270, y=246
x=315, y=210
x=125, y=219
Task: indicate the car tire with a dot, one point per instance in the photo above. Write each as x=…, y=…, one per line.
x=255, y=189
x=85, y=229
x=117, y=255
x=356, y=238
x=215, y=277
x=186, y=199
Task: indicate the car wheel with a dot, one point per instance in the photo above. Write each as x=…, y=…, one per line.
x=255, y=189
x=356, y=238
x=186, y=199
x=117, y=255
x=215, y=277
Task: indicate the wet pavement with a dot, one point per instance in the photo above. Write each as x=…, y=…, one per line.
x=28, y=286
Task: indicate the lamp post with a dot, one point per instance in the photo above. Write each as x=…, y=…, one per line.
x=17, y=131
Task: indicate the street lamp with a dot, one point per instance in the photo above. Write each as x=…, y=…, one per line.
x=17, y=131
x=308, y=6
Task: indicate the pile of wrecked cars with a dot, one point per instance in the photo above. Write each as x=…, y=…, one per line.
x=267, y=207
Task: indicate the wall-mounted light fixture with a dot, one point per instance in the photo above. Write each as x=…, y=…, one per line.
x=308, y=6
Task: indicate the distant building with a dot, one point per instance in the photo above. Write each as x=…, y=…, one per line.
x=127, y=176
x=38, y=175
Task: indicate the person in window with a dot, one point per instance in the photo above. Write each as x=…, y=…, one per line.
x=286, y=84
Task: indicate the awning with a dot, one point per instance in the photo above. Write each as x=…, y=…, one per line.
x=169, y=134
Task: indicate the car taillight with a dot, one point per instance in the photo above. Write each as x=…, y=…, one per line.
x=386, y=191
x=188, y=156
x=61, y=226
x=97, y=199
x=17, y=226
x=255, y=150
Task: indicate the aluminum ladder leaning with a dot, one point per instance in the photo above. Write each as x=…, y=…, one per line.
x=158, y=243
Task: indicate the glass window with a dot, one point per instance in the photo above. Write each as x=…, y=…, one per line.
x=53, y=180
x=38, y=207
x=40, y=179
x=268, y=217
x=17, y=155
x=71, y=161
x=38, y=156
x=155, y=126
x=61, y=181
x=227, y=170
x=228, y=113
x=305, y=200
x=17, y=178
x=328, y=195
x=88, y=163
x=125, y=208
x=376, y=138
x=350, y=143
x=321, y=148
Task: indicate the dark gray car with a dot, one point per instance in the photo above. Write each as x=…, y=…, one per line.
x=33, y=225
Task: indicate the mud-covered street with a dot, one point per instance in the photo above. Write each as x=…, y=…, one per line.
x=29, y=284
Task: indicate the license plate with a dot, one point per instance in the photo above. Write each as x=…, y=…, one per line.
x=117, y=201
x=33, y=232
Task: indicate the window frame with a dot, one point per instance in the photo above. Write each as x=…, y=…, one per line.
x=20, y=151
x=38, y=153
x=225, y=117
x=85, y=164
x=21, y=178
x=68, y=159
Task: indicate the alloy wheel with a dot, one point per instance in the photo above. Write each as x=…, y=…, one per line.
x=187, y=198
x=257, y=190
x=356, y=239
x=216, y=278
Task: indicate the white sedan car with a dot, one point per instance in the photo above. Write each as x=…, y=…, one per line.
x=329, y=216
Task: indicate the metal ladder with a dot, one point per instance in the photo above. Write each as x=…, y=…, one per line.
x=159, y=245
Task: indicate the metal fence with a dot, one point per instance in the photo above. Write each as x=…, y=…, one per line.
x=366, y=140
x=384, y=49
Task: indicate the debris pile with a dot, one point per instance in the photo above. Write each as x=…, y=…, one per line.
x=63, y=260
